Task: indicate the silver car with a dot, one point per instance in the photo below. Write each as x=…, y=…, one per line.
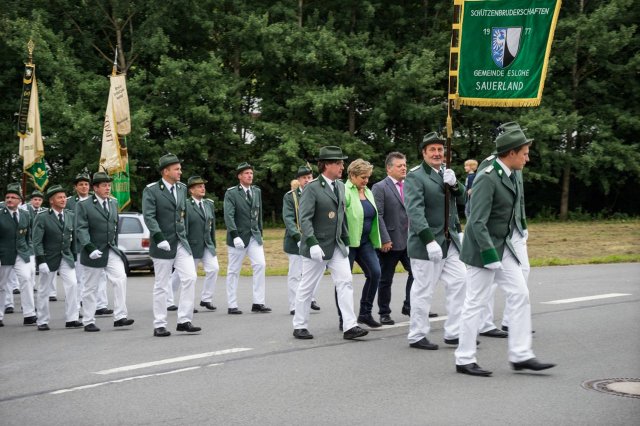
x=133, y=240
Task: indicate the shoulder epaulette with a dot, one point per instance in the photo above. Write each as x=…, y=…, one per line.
x=151, y=184
x=488, y=169
x=232, y=187
x=289, y=192
x=209, y=200
x=181, y=184
x=490, y=158
x=415, y=168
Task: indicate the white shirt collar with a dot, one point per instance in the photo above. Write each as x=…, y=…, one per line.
x=168, y=185
x=329, y=181
x=100, y=200
x=506, y=169
x=245, y=188
x=61, y=211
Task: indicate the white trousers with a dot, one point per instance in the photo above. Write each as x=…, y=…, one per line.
x=47, y=282
x=520, y=245
x=255, y=252
x=25, y=273
x=116, y=276
x=12, y=283
x=426, y=274
x=312, y=272
x=294, y=276
x=211, y=269
x=184, y=266
x=101, y=296
x=479, y=281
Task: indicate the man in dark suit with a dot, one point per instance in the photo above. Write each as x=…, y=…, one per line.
x=243, y=218
x=491, y=256
x=54, y=245
x=325, y=244
x=16, y=251
x=164, y=207
x=201, y=233
x=97, y=228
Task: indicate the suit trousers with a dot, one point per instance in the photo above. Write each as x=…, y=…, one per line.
x=367, y=258
x=184, y=266
x=388, y=262
x=294, y=276
x=101, y=296
x=211, y=269
x=520, y=245
x=25, y=273
x=452, y=272
x=255, y=252
x=312, y=272
x=12, y=284
x=479, y=281
x=48, y=281
x=116, y=276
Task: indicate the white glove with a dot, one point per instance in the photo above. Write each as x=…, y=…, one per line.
x=435, y=251
x=525, y=234
x=316, y=253
x=96, y=254
x=238, y=243
x=449, y=177
x=164, y=245
x=44, y=268
x=460, y=236
x=494, y=265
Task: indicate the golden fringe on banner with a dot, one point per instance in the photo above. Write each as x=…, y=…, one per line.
x=484, y=102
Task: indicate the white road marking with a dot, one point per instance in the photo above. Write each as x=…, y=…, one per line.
x=404, y=323
x=171, y=360
x=586, y=298
x=126, y=379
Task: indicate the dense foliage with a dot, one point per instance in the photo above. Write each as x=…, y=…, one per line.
x=218, y=82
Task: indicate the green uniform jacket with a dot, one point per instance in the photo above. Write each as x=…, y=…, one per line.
x=355, y=216
x=201, y=226
x=16, y=238
x=33, y=212
x=290, y=216
x=242, y=217
x=489, y=227
x=72, y=203
x=322, y=218
x=165, y=218
x=520, y=216
x=424, y=199
x=97, y=230
x=52, y=242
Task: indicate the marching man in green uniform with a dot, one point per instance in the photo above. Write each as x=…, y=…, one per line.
x=243, y=218
x=491, y=257
x=291, y=243
x=201, y=233
x=433, y=257
x=325, y=244
x=16, y=251
x=97, y=228
x=34, y=206
x=54, y=245
x=164, y=206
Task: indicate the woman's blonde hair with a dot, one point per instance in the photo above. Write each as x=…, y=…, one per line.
x=295, y=184
x=359, y=167
x=473, y=164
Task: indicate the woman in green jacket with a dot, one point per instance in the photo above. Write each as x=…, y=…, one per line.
x=364, y=234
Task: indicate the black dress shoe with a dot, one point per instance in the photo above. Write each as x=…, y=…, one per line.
x=424, y=343
x=368, y=320
x=8, y=310
x=292, y=312
x=43, y=327
x=406, y=310
x=386, y=320
x=172, y=308
x=188, y=327
x=16, y=291
x=104, y=311
x=91, y=328
x=354, y=333
x=472, y=370
x=495, y=333
x=456, y=341
x=208, y=305
x=302, y=333
x=161, y=332
x=234, y=311
x=260, y=308
x=123, y=322
x=531, y=364
x=314, y=306
x=432, y=315
x=506, y=328
x=53, y=299
x=73, y=324
x=30, y=320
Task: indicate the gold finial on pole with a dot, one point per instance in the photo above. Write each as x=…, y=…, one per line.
x=30, y=46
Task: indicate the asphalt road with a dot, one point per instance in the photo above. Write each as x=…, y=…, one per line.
x=249, y=369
